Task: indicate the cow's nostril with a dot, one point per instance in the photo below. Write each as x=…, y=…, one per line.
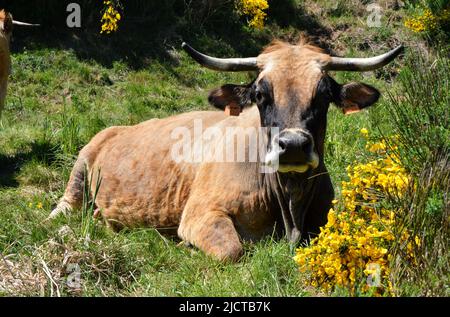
x=307, y=146
x=283, y=144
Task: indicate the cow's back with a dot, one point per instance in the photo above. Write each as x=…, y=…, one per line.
x=141, y=184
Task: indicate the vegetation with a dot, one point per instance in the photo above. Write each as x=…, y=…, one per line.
x=67, y=85
x=254, y=9
x=110, y=17
x=427, y=21
x=430, y=19
x=424, y=209
x=354, y=245
x=394, y=216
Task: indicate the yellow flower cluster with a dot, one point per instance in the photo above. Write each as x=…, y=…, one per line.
x=351, y=250
x=38, y=205
x=255, y=10
x=110, y=17
x=427, y=21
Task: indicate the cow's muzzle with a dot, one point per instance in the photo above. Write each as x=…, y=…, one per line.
x=292, y=151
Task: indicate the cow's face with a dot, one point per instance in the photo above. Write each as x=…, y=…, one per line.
x=6, y=24
x=293, y=92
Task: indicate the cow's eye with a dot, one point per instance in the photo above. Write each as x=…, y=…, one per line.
x=259, y=97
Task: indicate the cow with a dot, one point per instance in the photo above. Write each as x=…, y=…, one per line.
x=6, y=26
x=216, y=205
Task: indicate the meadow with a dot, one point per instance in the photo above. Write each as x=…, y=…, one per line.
x=66, y=88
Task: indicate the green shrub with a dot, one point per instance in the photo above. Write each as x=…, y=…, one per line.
x=431, y=19
x=422, y=122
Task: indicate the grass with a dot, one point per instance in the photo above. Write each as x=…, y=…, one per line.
x=141, y=262
x=425, y=209
x=58, y=99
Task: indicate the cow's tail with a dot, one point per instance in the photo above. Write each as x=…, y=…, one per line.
x=73, y=196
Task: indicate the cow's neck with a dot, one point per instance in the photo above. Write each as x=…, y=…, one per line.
x=293, y=193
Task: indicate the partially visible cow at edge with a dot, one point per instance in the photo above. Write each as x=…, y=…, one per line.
x=215, y=206
x=6, y=26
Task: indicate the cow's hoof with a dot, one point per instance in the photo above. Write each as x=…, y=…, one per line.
x=63, y=208
x=186, y=244
x=232, y=255
x=97, y=213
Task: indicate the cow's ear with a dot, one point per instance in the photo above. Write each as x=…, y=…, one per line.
x=353, y=97
x=229, y=94
x=6, y=21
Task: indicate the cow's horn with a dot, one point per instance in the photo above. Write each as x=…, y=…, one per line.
x=363, y=64
x=15, y=22
x=222, y=64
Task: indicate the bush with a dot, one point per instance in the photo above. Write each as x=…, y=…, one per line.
x=110, y=17
x=422, y=120
x=255, y=10
x=432, y=21
x=390, y=233
x=351, y=251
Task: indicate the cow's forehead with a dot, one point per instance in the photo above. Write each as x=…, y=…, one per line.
x=292, y=69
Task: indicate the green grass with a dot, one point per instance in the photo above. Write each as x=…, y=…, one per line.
x=144, y=263
x=57, y=101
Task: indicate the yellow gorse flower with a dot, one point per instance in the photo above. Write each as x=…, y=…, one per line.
x=39, y=205
x=110, y=17
x=364, y=132
x=255, y=10
x=353, y=246
x=427, y=21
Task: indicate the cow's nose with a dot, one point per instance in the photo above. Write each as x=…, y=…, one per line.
x=295, y=148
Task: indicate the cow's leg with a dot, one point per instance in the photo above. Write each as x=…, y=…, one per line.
x=212, y=232
x=73, y=196
x=316, y=216
x=3, y=88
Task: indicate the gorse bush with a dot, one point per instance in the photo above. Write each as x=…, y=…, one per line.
x=427, y=21
x=111, y=16
x=389, y=235
x=352, y=250
x=255, y=10
x=431, y=20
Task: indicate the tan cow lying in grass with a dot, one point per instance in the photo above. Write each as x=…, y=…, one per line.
x=6, y=26
x=215, y=205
